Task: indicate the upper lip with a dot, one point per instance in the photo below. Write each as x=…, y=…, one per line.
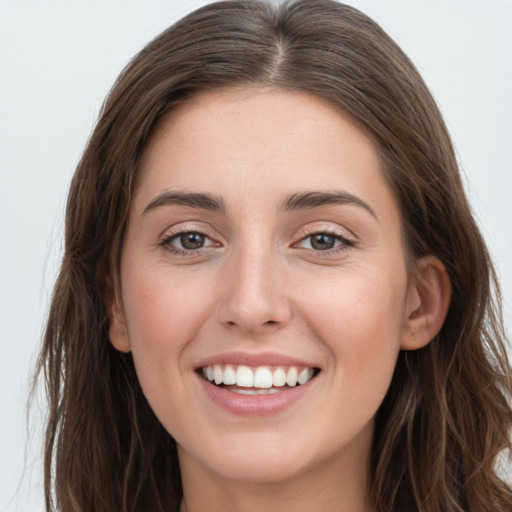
x=254, y=359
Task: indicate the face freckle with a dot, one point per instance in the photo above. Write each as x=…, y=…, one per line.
x=222, y=269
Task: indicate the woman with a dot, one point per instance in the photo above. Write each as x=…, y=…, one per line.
x=273, y=292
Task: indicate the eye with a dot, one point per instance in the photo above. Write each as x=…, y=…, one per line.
x=324, y=241
x=187, y=241
x=190, y=241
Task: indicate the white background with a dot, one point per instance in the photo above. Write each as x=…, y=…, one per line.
x=58, y=59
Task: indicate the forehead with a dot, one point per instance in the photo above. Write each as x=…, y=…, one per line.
x=260, y=142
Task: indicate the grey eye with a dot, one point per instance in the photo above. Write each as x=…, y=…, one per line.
x=325, y=241
x=191, y=241
x=184, y=242
x=322, y=241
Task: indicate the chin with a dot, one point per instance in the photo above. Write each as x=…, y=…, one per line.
x=257, y=471
x=261, y=459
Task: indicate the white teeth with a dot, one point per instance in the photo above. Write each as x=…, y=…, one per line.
x=262, y=378
x=229, y=375
x=304, y=376
x=244, y=377
x=270, y=391
x=218, y=374
x=291, y=377
x=279, y=377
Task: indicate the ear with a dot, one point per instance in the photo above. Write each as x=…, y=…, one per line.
x=428, y=301
x=118, y=331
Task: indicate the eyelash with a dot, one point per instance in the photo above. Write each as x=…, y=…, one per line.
x=345, y=243
x=166, y=242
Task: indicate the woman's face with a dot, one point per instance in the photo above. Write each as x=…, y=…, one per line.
x=263, y=246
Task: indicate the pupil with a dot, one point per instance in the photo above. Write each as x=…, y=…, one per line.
x=322, y=242
x=192, y=241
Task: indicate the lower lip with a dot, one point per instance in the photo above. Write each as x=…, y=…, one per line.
x=254, y=405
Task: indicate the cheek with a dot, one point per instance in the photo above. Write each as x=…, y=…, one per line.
x=163, y=316
x=162, y=311
x=360, y=320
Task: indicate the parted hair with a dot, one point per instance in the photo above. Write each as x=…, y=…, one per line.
x=446, y=419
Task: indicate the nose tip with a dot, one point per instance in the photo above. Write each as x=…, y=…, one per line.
x=252, y=317
x=254, y=299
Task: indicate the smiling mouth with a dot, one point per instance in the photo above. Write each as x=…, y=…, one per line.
x=260, y=380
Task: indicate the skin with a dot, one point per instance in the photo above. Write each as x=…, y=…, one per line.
x=258, y=284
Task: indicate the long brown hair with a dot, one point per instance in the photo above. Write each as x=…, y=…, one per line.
x=447, y=415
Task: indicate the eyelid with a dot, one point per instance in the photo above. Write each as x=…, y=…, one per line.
x=323, y=228
x=345, y=236
x=187, y=227
x=173, y=232
x=330, y=228
x=170, y=239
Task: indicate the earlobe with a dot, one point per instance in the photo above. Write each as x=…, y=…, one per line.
x=118, y=332
x=428, y=302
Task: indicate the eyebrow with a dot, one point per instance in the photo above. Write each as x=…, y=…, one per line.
x=298, y=201
x=307, y=200
x=193, y=200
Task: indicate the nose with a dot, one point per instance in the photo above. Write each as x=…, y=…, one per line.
x=253, y=297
